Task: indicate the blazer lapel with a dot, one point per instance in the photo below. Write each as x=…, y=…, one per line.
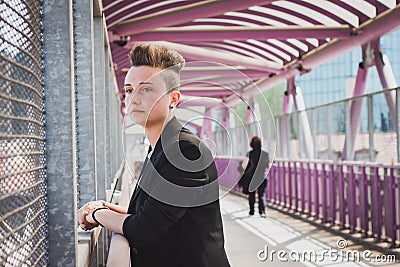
x=170, y=132
x=137, y=187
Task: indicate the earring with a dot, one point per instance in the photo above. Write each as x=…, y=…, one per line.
x=171, y=106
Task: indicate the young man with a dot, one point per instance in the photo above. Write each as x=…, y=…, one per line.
x=173, y=218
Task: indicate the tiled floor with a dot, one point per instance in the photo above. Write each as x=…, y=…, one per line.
x=281, y=240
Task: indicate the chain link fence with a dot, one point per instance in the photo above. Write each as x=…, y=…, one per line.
x=23, y=216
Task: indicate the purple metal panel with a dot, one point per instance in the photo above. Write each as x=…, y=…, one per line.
x=273, y=182
x=279, y=182
x=296, y=188
x=376, y=196
x=316, y=191
x=228, y=174
x=391, y=213
x=342, y=208
x=303, y=191
x=309, y=189
x=284, y=175
x=185, y=14
x=364, y=216
x=332, y=192
x=290, y=184
x=324, y=194
x=352, y=200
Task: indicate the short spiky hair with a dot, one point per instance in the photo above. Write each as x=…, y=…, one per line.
x=162, y=57
x=157, y=56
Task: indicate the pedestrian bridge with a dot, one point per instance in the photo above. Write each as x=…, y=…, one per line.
x=334, y=181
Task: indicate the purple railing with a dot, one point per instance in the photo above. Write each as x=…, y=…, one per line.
x=361, y=197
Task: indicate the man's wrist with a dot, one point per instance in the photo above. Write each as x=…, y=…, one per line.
x=94, y=217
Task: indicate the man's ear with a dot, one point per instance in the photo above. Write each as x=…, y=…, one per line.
x=175, y=97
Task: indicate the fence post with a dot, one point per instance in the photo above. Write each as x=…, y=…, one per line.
x=309, y=193
x=61, y=147
x=296, y=188
x=341, y=198
x=284, y=183
x=332, y=192
x=392, y=211
x=324, y=195
x=303, y=192
x=290, y=182
x=352, y=200
x=364, y=202
x=316, y=190
x=377, y=229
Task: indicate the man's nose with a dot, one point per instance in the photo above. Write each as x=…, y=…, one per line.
x=133, y=99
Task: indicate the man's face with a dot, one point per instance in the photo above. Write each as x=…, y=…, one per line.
x=147, y=98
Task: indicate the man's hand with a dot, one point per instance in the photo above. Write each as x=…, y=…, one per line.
x=84, y=211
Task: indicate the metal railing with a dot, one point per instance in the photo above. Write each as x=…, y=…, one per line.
x=23, y=201
x=361, y=197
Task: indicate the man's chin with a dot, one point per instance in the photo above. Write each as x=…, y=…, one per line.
x=137, y=120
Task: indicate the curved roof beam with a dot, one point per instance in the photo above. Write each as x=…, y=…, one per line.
x=362, y=6
x=234, y=48
x=183, y=14
x=265, y=20
x=204, y=54
x=241, y=33
x=255, y=49
x=215, y=79
x=323, y=19
x=195, y=101
x=383, y=24
x=276, y=13
x=195, y=72
x=338, y=11
x=285, y=47
x=280, y=52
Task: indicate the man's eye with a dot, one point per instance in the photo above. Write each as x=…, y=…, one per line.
x=146, y=89
x=128, y=91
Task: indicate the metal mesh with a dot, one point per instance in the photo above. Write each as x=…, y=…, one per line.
x=23, y=219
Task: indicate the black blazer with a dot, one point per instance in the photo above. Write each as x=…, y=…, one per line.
x=176, y=219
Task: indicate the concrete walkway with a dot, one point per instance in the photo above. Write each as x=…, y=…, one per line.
x=280, y=240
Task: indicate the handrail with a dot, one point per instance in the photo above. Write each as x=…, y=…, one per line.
x=361, y=197
x=88, y=240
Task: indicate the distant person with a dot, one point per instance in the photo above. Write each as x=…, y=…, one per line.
x=255, y=165
x=174, y=217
